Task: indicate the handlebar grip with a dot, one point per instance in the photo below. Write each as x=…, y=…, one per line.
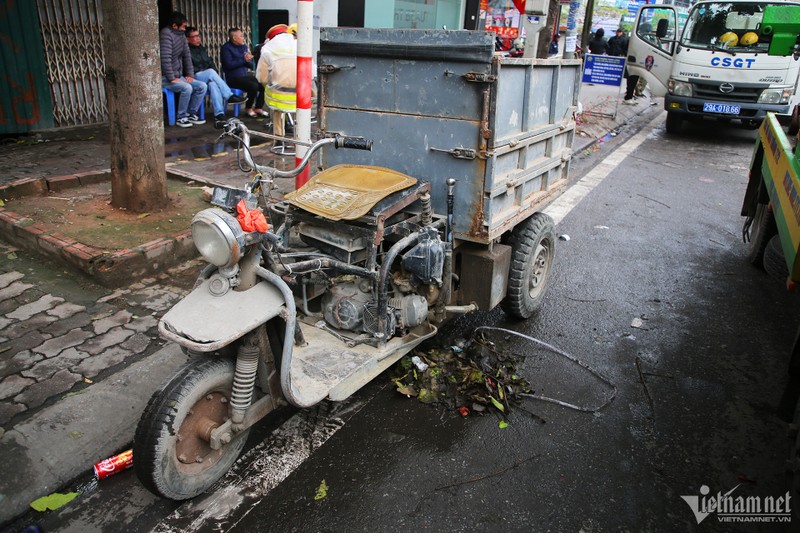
x=356, y=143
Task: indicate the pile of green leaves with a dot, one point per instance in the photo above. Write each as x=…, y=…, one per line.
x=474, y=378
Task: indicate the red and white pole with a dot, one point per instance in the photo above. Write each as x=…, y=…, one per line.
x=305, y=19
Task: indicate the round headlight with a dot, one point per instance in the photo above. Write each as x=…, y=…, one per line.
x=218, y=237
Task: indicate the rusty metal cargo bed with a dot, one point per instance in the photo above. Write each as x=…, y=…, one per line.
x=440, y=104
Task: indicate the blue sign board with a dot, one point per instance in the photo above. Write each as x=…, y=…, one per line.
x=603, y=70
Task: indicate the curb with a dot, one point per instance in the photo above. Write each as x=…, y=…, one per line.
x=65, y=440
x=110, y=269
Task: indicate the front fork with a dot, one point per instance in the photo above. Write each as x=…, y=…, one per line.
x=243, y=411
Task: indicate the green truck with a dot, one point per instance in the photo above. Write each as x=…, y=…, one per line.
x=772, y=210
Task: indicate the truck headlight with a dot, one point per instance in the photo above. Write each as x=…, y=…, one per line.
x=218, y=237
x=775, y=96
x=679, y=88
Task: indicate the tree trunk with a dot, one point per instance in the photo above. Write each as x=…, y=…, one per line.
x=133, y=97
x=546, y=35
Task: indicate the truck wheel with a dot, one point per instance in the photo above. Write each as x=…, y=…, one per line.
x=774, y=260
x=172, y=457
x=533, y=245
x=793, y=463
x=761, y=231
x=674, y=123
x=794, y=122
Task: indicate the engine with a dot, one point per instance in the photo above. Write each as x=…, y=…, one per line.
x=351, y=302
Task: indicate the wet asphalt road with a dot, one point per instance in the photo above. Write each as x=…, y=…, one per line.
x=698, y=385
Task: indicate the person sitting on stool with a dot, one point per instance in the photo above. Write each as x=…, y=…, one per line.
x=206, y=71
x=277, y=71
x=177, y=73
x=236, y=64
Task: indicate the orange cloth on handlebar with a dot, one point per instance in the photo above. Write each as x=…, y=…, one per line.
x=251, y=219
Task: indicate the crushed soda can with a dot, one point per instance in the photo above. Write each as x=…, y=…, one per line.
x=113, y=465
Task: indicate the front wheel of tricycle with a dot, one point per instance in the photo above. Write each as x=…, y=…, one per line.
x=172, y=455
x=533, y=245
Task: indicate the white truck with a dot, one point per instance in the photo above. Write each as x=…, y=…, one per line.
x=716, y=65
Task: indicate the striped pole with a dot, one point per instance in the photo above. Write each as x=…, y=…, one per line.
x=305, y=18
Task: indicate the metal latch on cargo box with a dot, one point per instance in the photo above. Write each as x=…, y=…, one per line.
x=480, y=77
x=458, y=153
x=328, y=69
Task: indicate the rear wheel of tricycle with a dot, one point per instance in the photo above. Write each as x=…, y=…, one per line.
x=761, y=231
x=533, y=245
x=172, y=454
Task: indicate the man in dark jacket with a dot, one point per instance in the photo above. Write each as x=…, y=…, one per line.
x=598, y=45
x=177, y=73
x=206, y=71
x=618, y=44
x=237, y=61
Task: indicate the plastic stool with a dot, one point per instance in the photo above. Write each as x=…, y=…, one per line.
x=170, y=96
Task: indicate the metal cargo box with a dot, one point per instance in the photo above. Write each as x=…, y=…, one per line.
x=440, y=104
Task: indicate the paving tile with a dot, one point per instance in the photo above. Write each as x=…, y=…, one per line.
x=56, y=345
x=141, y=324
x=13, y=385
x=8, y=410
x=93, y=365
x=9, y=277
x=46, y=368
x=78, y=320
x=20, y=361
x=14, y=290
x=120, y=318
x=138, y=343
x=40, y=322
x=26, y=342
x=45, y=303
x=113, y=337
x=38, y=393
x=66, y=310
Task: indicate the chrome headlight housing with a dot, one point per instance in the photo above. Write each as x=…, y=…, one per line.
x=218, y=237
x=679, y=88
x=775, y=96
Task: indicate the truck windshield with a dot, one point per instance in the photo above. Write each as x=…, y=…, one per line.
x=733, y=27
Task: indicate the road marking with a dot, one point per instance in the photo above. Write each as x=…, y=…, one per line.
x=577, y=192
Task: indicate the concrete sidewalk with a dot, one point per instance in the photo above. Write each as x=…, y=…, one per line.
x=78, y=362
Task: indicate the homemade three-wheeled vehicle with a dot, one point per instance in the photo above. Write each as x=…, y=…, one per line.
x=434, y=212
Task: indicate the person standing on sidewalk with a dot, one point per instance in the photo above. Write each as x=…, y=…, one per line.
x=177, y=73
x=206, y=71
x=236, y=63
x=277, y=72
x=618, y=46
x=598, y=45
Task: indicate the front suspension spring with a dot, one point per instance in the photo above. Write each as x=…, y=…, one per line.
x=244, y=380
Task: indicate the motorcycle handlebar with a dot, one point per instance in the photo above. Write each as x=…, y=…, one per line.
x=356, y=143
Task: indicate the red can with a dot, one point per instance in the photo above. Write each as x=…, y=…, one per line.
x=113, y=465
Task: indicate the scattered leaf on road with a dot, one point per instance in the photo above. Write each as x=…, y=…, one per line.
x=53, y=501
x=322, y=491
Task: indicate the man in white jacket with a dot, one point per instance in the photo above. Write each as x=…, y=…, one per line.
x=277, y=70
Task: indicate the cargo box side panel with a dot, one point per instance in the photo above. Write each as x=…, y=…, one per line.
x=413, y=87
x=408, y=144
x=453, y=46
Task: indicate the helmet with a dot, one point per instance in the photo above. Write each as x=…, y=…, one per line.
x=729, y=38
x=749, y=38
x=277, y=30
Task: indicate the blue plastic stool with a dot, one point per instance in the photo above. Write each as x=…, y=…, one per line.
x=237, y=92
x=170, y=96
